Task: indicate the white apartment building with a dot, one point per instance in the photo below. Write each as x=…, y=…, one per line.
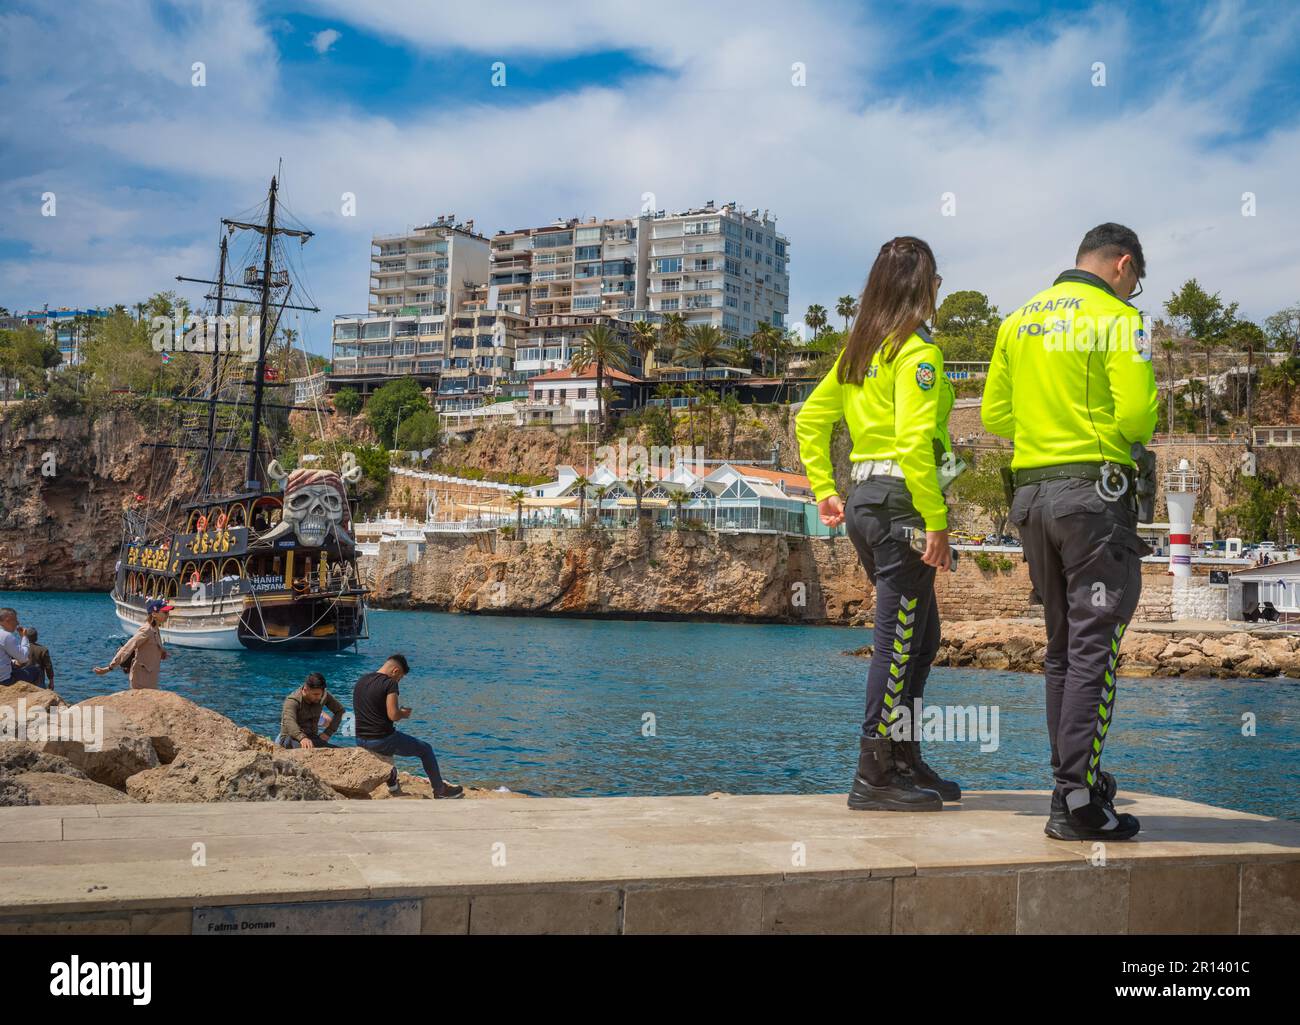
x=417, y=281
x=567, y=277
x=721, y=266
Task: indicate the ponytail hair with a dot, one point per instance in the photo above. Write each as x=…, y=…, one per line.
x=900, y=296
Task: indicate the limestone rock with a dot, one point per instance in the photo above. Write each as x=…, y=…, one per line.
x=202, y=776
x=18, y=756
x=109, y=752
x=352, y=771
x=35, y=697
x=56, y=788
x=175, y=723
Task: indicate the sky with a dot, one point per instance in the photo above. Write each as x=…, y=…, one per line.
x=998, y=131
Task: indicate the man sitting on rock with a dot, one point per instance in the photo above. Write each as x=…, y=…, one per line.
x=375, y=700
x=300, y=724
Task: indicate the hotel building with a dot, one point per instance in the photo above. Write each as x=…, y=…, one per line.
x=418, y=279
x=721, y=266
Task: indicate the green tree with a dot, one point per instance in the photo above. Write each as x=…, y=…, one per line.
x=347, y=401
x=645, y=339
x=602, y=347
x=815, y=317
x=981, y=486
x=419, y=431
x=966, y=326
x=1247, y=336
x=25, y=354
x=671, y=333
x=847, y=307
x=766, y=342
x=391, y=404
x=1206, y=320
x=707, y=346
x=1283, y=330
x=1260, y=499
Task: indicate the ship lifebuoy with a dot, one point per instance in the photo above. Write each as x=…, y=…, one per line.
x=201, y=525
x=222, y=520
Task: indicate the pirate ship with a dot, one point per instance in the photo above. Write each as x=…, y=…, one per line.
x=269, y=565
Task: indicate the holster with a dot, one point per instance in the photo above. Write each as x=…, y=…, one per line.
x=1145, y=482
x=1008, y=484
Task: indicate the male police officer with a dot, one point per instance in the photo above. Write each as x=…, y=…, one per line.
x=1071, y=385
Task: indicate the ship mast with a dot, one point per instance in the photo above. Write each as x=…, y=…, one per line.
x=216, y=371
x=252, y=478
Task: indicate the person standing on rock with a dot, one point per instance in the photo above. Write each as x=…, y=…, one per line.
x=376, y=706
x=300, y=716
x=889, y=385
x=1071, y=385
x=143, y=654
x=14, y=650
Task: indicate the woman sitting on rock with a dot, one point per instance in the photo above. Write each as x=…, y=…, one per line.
x=889, y=385
x=141, y=657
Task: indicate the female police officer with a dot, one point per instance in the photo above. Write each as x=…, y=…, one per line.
x=889, y=385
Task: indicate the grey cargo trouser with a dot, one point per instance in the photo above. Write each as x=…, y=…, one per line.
x=906, y=636
x=1084, y=558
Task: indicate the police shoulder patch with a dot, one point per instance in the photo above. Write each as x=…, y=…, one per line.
x=925, y=376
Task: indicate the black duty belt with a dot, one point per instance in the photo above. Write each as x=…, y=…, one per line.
x=1063, y=471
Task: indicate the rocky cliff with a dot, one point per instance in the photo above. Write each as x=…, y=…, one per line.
x=64, y=482
x=688, y=574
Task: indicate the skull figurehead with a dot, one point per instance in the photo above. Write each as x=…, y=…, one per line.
x=315, y=505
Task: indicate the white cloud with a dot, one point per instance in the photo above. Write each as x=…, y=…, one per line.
x=1035, y=155
x=324, y=39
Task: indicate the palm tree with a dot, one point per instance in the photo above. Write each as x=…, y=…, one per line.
x=517, y=500
x=707, y=346
x=1162, y=336
x=679, y=498
x=599, y=493
x=846, y=307
x=602, y=346
x=708, y=413
x=671, y=333
x=690, y=393
x=815, y=317
x=765, y=339
x=731, y=408
x=581, y=485
x=640, y=481
x=645, y=338
x=667, y=392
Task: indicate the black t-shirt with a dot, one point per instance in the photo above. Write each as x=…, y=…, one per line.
x=370, y=705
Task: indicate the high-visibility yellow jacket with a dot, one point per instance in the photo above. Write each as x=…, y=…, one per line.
x=899, y=411
x=1071, y=380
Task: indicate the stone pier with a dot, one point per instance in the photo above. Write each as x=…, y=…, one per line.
x=717, y=864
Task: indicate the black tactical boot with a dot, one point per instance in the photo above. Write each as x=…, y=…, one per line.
x=910, y=765
x=879, y=787
x=1096, y=820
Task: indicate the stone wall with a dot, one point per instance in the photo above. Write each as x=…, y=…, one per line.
x=670, y=574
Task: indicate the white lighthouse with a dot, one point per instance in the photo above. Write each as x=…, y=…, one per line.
x=1182, y=485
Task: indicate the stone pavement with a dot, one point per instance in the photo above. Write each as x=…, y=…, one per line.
x=716, y=864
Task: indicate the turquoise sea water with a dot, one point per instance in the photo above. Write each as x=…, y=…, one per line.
x=558, y=706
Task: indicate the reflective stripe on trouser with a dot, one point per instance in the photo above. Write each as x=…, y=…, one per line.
x=1106, y=708
x=1085, y=562
x=898, y=657
x=906, y=635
